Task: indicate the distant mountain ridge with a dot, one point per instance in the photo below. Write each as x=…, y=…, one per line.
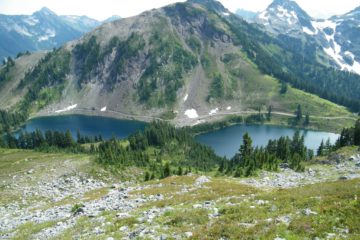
x=43, y=30
x=247, y=15
x=338, y=36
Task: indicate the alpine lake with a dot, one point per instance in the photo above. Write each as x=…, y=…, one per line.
x=225, y=141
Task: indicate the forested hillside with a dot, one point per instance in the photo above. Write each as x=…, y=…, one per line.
x=187, y=62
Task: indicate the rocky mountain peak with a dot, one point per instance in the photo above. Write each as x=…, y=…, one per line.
x=45, y=11
x=210, y=4
x=285, y=3
x=285, y=16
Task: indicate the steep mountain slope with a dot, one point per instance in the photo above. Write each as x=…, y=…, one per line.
x=312, y=53
x=337, y=36
x=188, y=61
x=346, y=35
x=10, y=78
x=43, y=30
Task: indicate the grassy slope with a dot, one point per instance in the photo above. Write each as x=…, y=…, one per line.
x=18, y=162
x=336, y=204
x=258, y=90
x=8, y=94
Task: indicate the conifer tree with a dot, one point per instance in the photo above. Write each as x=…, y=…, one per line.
x=167, y=170
x=320, y=150
x=298, y=113
x=68, y=141
x=180, y=171
x=269, y=113
x=147, y=176
x=357, y=133
x=246, y=148
x=307, y=119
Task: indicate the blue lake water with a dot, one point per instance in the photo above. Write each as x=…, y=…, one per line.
x=225, y=142
x=87, y=125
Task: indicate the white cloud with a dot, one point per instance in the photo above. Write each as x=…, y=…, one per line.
x=101, y=9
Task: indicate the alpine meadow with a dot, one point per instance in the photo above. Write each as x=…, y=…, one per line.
x=188, y=121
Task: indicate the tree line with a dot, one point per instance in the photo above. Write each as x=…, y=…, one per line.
x=289, y=152
x=10, y=120
x=302, y=69
x=349, y=136
x=8, y=64
x=48, y=141
x=162, y=150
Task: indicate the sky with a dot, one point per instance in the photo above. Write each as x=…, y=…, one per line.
x=102, y=9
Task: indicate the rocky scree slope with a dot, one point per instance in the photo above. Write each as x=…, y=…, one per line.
x=62, y=196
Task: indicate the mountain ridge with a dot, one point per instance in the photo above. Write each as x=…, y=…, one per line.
x=334, y=35
x=43, y=30
x=186, y=62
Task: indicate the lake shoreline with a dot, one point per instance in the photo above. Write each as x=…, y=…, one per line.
x=226, y=138
x=277, y=121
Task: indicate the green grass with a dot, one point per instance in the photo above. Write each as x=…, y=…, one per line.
x=264, y=90
x=172, y=186
x=336, y=205
x=186, y=217
x=311, y=103
x=257, y=90
x=318, y=124
x=15, y=164
x=82, y=225
x=14, y=161
x=26, y=230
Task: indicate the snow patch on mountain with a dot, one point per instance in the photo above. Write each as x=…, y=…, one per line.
x=264, y=15
x=50, y=33
x=22, y=31
x=323, y=24
x=290, y=17
x=213, y=111
x=350, y=54
x=191, y=113
x=31, y=21
x=67, y=109
x=335, y=35
x=328, y=28
x=335, y=54
x=308, y=31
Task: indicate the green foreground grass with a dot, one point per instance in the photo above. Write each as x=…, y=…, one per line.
x=245, y=212
x=335, y=207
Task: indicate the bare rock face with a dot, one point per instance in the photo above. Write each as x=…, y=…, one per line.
x=337, y=36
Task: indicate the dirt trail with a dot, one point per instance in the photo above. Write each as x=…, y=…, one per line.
x=183, y=120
